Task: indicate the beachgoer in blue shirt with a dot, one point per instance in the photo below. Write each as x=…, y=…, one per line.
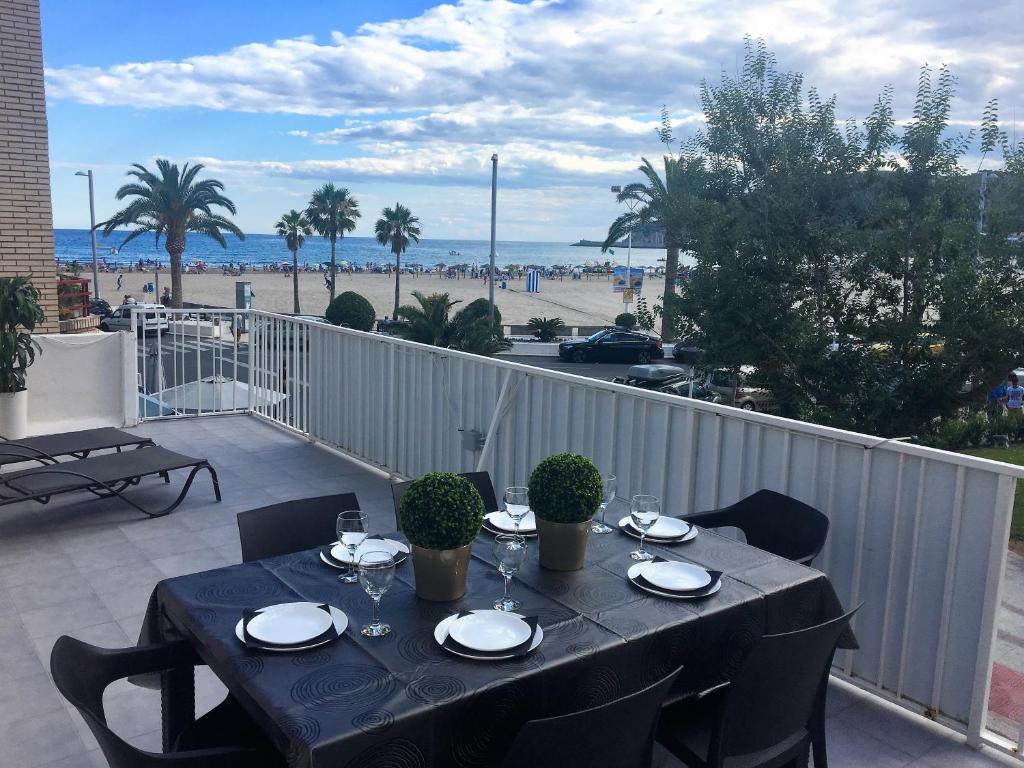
x=1014, y=397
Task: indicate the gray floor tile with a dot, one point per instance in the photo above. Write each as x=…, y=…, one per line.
x=106, y=557
x=39, y=570
x=27, y=597
x=896, y=729
x=36, y=741
x=33, y=696
x=65, y=617
x=850, y=747
x=189, y=562
x=91, y=759
x=953, y=753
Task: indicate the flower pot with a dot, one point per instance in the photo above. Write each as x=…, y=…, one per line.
x=13, y=414
x=440, y=573
x=562, y=545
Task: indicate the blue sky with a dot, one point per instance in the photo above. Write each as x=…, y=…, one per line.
x=407, y=100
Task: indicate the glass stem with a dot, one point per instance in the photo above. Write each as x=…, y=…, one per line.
x=376, y=611
x=642, y=534
x=508, y=579
x=604, y=511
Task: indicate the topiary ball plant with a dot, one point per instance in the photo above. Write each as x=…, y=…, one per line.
x=441, y=510
x=625, y=320
x=351, y=310
x=565, y=488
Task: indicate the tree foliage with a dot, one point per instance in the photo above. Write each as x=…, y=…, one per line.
x=20, y=313
x=332, y=212
x=294, y=227
x=431, y=322
x=395, y=229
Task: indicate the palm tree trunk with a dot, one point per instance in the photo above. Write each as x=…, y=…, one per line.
x=398, y=272
x=334, y=266
x=668, y=306
x=175, y=247
x=295, y=279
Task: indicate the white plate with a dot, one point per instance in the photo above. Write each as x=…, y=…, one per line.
x=676, y=577
x=441, y=634
x=490, y=631
x=664, y=528
x=627, y=527
x=634, y=571
x=392, y=547
x=289, y=623
x=503, y=522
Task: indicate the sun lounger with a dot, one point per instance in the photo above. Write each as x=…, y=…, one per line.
x=105, y=475
x=46, y=449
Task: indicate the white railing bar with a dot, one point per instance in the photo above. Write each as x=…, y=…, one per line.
x=858, y=548
x=911, y=577
x=891, y=573
x=787, y=447
x=947, y=591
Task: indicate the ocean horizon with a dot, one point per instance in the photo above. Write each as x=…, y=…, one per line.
x=260, y=250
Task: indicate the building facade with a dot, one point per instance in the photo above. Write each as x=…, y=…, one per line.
x=26, y=217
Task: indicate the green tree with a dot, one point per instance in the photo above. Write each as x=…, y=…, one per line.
x=172, y=203
x=429, y=321
x=294, y=227
x=544, y=328
x=397, y=227
x=332, y=212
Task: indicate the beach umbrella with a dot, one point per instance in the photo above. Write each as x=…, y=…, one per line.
x=217, y=393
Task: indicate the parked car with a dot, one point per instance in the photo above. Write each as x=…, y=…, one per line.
x=686, y=351
x=99, y=307
x=612, y=345
x=151, y=319
x=740, y=390
x=668, y=378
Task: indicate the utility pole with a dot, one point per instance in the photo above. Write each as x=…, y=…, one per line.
x=494, y=222
x=92, y=233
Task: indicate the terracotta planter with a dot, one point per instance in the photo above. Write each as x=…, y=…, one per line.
x=13, y=414
x=562, y=545
x=440, y=573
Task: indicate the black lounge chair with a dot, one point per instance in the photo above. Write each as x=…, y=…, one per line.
x=480, y=480
x=46, y=449
x=773, y=522
x=106, y=475
x=291, y=526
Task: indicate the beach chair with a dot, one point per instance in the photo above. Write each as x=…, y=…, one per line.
x=46, y=449
x=106, y=475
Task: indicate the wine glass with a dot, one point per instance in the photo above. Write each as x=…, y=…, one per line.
x=517, y=504
x=509, y=553
x=351, y=530
x=600, y=526
x=376, y=572
x=645, y=511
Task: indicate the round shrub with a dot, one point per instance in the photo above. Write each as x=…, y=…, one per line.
x=565, y=488
x=441, y=510
x=477, y=310
x=625, y=320
x=351, y=310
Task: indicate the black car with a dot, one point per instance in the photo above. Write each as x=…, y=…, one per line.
x=687, y=351
x=668, y=378
x=612, y=345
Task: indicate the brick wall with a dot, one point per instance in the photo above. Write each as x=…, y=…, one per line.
x=26, y=218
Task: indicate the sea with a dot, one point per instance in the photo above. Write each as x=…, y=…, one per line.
x=263, y=250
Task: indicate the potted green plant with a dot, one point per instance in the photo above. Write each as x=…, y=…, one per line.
x=565, y=492
x=440, y=514
x=19, y=315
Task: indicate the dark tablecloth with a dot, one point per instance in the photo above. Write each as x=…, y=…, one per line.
x=403, y=702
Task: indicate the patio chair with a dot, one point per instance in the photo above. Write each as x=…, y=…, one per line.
x=617, y=733
x=45, y=449
x=104, y=476
x=225, y=737
x=291, y=526
x=480, y=480
x=771, y=712
x=773, y=522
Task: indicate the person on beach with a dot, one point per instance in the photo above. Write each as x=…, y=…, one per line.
x=165, y=297
x=129, y=299
x=1014, y=397
x=120, y=281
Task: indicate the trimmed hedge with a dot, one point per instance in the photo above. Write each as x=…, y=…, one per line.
x=441, y=510
x=351, y=310
x=565, y=488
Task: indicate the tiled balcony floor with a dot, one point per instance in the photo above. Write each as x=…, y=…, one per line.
x=85, y=567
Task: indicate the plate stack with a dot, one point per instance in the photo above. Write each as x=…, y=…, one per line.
x=291, y=627
x=500, y=522
x=487, y=635
x=679, y=581
x=666, y=530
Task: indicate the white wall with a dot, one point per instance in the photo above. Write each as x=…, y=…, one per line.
x=82, y=381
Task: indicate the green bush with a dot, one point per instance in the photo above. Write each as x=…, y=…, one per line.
x=565, y=488
x=476, y=310
x=441, y=510
x=625, y=320
x=545, y=328
x=351, y=310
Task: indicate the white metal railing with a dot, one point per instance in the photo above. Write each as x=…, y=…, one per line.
x=919, y=535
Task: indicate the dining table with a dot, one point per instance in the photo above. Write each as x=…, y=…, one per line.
x=402, y=701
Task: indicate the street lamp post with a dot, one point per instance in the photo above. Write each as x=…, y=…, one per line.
x=494, y=223
x=92, y=233
x=631, y=204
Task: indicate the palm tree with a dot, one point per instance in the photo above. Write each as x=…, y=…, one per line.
x=672, y=204
x=294, y=227
x=170, y=205
x=429, y=323
x=332, y=212
x=396, y=227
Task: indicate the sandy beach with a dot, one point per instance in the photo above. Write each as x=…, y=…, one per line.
x=577, y=302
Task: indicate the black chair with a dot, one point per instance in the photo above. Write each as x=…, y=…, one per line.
x=291, y=526
x=773, y=522
x=480, y=480
x=225, y=737
x=770, y=714
x=619, y=733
